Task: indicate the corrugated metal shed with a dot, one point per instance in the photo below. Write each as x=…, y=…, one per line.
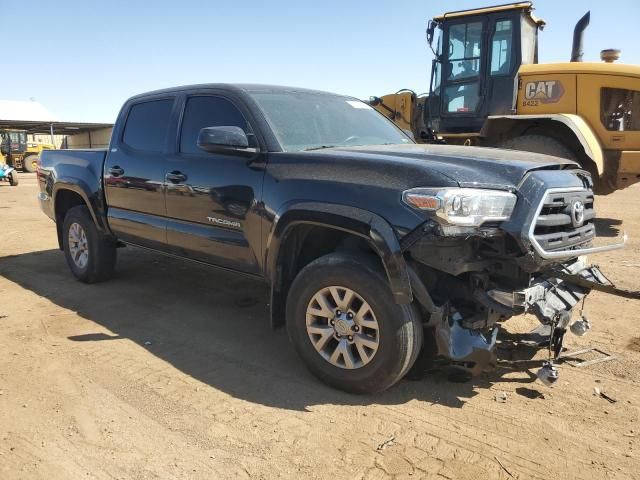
x=35, y=118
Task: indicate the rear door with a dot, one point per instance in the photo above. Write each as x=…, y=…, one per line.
x=135, y=170
x=213, y=205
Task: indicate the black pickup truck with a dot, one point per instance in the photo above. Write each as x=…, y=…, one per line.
x=376, y=249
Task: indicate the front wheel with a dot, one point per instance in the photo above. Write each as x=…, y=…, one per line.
x=550, y=146
x=344, y=323
x=90, y=255
x=539, y=144
x=30, y=163
x=13, y=179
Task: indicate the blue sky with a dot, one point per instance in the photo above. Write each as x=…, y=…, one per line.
x=82, y=59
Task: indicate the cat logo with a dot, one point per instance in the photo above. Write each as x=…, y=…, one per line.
x=544, y=91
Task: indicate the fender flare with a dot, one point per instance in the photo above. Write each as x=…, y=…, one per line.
x=583, y=132
x=356, y=221
x=79, y=187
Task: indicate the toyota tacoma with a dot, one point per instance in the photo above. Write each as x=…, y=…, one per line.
x=376, y=249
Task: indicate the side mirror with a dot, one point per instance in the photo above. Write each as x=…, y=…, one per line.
x=222, y=139
x=431, y=28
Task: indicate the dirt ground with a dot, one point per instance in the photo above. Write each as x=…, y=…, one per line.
x=172, y=371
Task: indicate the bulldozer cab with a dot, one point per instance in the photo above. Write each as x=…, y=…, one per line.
x=477, y=56
x=13, y=141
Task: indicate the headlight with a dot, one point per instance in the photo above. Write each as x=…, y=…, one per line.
x=469, y=207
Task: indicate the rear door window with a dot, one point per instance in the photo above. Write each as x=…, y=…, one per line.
x=147, y=125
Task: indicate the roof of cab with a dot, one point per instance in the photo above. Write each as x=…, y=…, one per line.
x=526, y=6
x=236, y=87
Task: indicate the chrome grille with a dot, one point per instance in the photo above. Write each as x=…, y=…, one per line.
x=558, y=226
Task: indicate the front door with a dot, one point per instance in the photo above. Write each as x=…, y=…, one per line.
x=134, y=174
x=212, y=198
x=463, y=68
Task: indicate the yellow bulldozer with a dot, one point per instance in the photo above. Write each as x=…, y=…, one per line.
x=19, y=153
x=487, y=88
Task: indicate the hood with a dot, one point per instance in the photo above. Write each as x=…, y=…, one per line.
x=466, y=166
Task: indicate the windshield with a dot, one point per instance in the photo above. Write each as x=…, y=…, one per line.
x=307, y=121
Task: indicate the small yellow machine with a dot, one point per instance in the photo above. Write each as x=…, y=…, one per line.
x=487, y=88
x=18, y=152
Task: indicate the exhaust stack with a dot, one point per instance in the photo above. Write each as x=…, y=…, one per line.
x=577, y=49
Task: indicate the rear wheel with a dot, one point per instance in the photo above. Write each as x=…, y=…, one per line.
x=344, y=323
x=30, y=163
x=13, y=178
x=90, y=255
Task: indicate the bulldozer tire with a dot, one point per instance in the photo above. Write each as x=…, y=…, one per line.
x=539, y=144
x=551, y=146
x=28, y=163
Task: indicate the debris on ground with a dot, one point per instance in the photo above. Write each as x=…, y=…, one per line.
x=598, y=393
x=387, y=443
x=501, y=397
x=608, y=398
x=148, y=343
x=503, y=467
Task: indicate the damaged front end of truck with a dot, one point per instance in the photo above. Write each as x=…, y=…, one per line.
x=485, y=254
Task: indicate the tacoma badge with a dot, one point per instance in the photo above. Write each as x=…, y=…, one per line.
x=222, y=221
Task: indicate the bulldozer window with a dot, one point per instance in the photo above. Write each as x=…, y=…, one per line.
x=18, y=141
x=462, y=98
x=620, y=109
x=502, y=47
x=465, y=41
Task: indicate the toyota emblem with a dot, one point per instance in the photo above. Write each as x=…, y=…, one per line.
x=577, y=213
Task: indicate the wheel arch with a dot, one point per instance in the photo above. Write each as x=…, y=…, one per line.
x=342, y=225
x=570, y=129
x=66, y=195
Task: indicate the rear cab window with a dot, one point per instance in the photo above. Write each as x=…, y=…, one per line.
x=147, y=125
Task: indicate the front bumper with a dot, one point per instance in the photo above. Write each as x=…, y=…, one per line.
x=535, y=262
x=550, y=299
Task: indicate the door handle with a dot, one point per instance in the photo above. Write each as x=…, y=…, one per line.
x=116, y=171
x=176, y=177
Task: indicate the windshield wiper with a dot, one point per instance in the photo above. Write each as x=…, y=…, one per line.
x=320, y=148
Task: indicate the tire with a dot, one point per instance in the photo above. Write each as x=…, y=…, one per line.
x=398, y=334
x=539, y=144
x=100, y=259
x=13, y=179
x=551, y=146
x=27, y=163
